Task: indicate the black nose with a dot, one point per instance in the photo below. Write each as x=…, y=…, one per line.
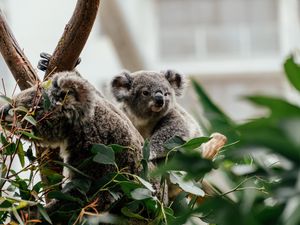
x=159, y=99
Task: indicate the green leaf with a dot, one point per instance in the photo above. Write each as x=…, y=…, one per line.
x=72, y=168
x=63, y=196
x=38, y=186
x=279, y=107
x=21, y=109
x=188, y=186
x=104, y=154
x=30, y=119
x=47, y=84
x=44, y=213
x=146, y=184
x=46, y=101
x=30, y=135
x=174, y=142
x=262, y=133
x=292, y=71
x=130, y=214
x=141, y=193
x=195, y=143
x=6, y=99
x=82, y=184
x=192, y=163
x=52, y=176
x=118, y=148
x=128, y=186
x=146, y=150
x=10, y=149
x=218, y=120
x=21, y=153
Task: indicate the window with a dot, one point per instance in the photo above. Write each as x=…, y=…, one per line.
x=207, y=29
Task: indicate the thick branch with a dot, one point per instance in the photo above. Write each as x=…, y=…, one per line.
x=14, y=57
x=74, y=37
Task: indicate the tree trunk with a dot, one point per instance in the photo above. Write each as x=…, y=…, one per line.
x=74, y=37
x=14, y=57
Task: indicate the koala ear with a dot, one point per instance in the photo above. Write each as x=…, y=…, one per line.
x=176, y=80
x=121, y=85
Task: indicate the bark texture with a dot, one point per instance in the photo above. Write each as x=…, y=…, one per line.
x=74, y=37
x=15, y=58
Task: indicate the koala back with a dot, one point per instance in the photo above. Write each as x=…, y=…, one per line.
x=72, y=115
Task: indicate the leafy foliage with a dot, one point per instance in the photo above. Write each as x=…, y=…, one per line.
x=261, y=167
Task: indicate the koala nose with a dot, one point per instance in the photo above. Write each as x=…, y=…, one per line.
x=159, y=99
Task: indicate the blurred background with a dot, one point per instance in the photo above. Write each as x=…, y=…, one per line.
x=232, y=47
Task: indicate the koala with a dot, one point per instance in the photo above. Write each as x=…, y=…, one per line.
x=76, y=118
x=149, y=100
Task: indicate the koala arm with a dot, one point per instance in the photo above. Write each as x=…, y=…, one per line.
x=165, y=130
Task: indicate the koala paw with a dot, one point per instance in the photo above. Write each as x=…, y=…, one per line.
x=213, y=146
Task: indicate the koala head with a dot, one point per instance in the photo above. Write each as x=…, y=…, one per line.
x=148, y=94
x=57, y=105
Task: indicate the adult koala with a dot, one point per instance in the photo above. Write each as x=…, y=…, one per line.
x=73, y=116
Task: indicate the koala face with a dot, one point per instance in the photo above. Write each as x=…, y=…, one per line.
x=57, y=105
x=148, y=94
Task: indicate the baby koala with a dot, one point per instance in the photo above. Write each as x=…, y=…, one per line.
x=149, y=100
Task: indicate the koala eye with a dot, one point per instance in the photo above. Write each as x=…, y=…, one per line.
x=146, y=93
x=167, y=93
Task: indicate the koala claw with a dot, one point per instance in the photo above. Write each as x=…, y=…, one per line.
x=44, y=61
x=213, y=146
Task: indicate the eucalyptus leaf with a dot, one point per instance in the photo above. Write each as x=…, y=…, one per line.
x=292, y=71
x=141, y=193
x=219, y=121
x=146, y=184
x=104, y=154
x=174, y=142
x=6, y=99
x=44, y=214
x=125, y=211
x=63, y=196
x=30, y=119
x=21, y=153
x=188, y=186
x=195, y=143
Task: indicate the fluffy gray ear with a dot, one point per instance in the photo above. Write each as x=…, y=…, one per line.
x=120, y=85
x=176, y=80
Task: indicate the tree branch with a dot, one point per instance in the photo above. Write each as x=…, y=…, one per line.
x=14, y=57
x=74, y=37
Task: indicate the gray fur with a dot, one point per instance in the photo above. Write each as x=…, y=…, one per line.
x=139, y=93
x=77, y=118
